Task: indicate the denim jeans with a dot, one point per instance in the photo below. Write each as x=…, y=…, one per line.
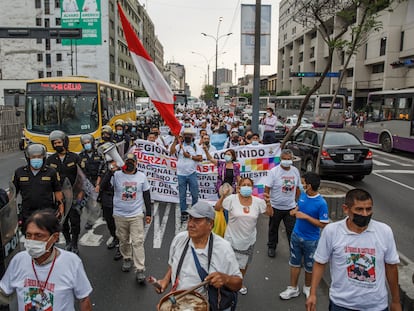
x=334, y=307
x=301, y=249
x=192, y=182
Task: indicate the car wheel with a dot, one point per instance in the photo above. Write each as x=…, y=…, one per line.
x=358, y=177
x=386, y=142
x=309, y=166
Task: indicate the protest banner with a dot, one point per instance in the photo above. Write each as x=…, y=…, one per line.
x=160, y=168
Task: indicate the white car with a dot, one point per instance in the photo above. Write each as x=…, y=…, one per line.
x=291, y=122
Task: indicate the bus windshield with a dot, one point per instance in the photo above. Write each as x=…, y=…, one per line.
x=73, y=114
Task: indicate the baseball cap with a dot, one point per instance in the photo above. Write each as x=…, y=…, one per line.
x=202, y=209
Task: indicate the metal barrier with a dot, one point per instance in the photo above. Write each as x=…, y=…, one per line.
x=10, y=129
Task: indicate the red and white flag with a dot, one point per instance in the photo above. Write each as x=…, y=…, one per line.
x=154, y=83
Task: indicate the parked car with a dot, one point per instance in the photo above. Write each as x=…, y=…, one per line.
x=292, y=120
x=342, y=153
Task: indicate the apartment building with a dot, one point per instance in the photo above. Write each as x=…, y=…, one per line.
x=107, y=58
x=384, y=61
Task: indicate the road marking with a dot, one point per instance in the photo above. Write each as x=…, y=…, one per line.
x=90, y=238
x=398, y=162
x=379, y=163
x=159, y=228
x=390, y=155
x=394, y=181
x=394, y=171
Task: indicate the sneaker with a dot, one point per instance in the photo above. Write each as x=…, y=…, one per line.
x=118, y=254
x=306, y=291
x=184, y=217
x=126, y=265
x=243, y=290
x=88, y=226
x=140, y=276
x=290, y=292
x=114, y=243
x=271, y=252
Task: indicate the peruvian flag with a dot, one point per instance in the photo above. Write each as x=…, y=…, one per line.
x=154, y=83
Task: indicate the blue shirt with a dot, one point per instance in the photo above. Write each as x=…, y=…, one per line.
x=315, y=207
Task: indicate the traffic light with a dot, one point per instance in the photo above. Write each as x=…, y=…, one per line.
x=305, y=74
x=216, y=93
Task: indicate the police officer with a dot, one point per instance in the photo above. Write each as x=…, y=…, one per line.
x=120, y=134
x=66, y=163
x=106, y=195
x=91, y=164
x=38, y=184
x=133, y=133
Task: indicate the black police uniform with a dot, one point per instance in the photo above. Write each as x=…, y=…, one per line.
x=37, y=190
x=68, y=168
x=91, y=165
x=123, y=137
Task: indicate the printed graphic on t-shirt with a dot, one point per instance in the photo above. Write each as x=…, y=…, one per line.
x=361, y=265
x=288, y=184
x=36, y=299
x=129, y=191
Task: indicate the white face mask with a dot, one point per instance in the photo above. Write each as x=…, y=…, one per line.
x=35, y=248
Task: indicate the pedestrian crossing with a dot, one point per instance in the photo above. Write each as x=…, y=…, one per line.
x=384, y=159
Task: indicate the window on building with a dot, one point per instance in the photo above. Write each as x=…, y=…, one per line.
x=293, y=30
x=48, y=61
x=383, y=45
x=342, y=57
x=301, y=57
x=38, y=4
x=402, y=41
x=111, y=59
x=57, y=21
x=58, y=40
x=59, y=57
x=378, y=68
x=57, y=4
x=38, y=40
x=47, y=23
x=314, y=34
x=40, y=74
x=40, y=57
x=112, y=77
x=111, y=5
x=350, y=72
x=47, y=44
x=111, y=24
x=366, y=51
x=59, y=73
x=47, y=7
x=312, y=52
x=48, y=74
x=38, y=21
x=285, y=36
x=291, y=60
x=111, y=41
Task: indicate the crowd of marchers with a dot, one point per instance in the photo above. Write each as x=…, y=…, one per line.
x=217, y=247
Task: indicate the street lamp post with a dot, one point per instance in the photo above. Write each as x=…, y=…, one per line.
x=216, y=39
x=208, y=63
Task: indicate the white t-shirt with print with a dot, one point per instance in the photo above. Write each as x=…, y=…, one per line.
x=241, y=228
x=357, y=264
x=128, y=193
x=283, y=184
x=67, y=281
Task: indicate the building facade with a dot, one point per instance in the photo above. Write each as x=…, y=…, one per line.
x=223, y=76
x=25, y=59
x=383, y=62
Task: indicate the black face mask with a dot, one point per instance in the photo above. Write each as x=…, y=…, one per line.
x=188, y=140
x=106, y=138
x=361, y=221
x=130, y=167
x=59, y=149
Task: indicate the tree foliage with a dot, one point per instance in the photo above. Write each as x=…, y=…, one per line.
x=208, y=93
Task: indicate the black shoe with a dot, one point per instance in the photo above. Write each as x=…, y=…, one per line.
x=271, y=252
x=75, y=250
x=140, y=277
x=184, y=217
x=68, y=247
x=118, y=255
x=88, y=226
x=113, y=244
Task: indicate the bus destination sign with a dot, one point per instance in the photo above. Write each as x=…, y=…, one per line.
x=61, y=86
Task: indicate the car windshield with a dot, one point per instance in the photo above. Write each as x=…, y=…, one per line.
x=71, y=114
x=339, y=139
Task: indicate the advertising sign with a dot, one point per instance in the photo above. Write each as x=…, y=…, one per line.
x=85, y=14
x=247, y=34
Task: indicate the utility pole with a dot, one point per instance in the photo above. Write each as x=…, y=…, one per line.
x=256, y=74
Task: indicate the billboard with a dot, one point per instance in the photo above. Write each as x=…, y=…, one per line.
x=85, y=14
x=247, y=34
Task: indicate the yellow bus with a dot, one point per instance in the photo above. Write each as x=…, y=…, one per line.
x=76, y=106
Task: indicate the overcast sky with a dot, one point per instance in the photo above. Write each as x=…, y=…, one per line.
x=179, y=24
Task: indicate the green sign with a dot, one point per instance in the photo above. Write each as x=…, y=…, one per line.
x=85, y=14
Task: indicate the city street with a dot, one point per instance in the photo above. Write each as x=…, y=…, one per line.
x=391, y=185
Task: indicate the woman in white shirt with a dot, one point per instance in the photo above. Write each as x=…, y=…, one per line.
x=243, y=210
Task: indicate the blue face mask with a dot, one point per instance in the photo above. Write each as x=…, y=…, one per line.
x=246, y=191
x=254, y=142
x=88, y=146
x=119, y=132
x=228, y=158
x=36, y=163
x=286, y=163
x=133, y=129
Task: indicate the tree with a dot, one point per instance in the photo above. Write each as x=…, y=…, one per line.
x=283, y=93
x=353, y=16
x=208, y=95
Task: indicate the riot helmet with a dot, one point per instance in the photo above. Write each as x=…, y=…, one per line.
x=35, y=155
x=59, y=135
x=87, y=142
x=107, y=133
